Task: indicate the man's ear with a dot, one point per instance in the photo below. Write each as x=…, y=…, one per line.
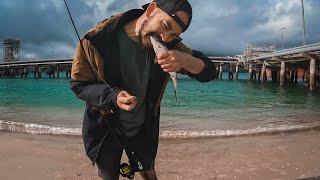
x=151, y=9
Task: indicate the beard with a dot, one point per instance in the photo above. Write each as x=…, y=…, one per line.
x=144, y=34
x=141, y=30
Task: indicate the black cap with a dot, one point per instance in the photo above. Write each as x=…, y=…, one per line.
x=171, y=7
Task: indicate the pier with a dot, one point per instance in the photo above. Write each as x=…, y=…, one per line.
x=52, y=67
x=289, y=64
x=284, y=66
x=230, y=61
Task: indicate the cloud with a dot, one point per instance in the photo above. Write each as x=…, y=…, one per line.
x=103, y=9
x=281, y=15
x=226, y=27
x=288, y=15
x=218, y=27
x=37, y=26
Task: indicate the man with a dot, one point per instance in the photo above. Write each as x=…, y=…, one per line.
x=114, y=73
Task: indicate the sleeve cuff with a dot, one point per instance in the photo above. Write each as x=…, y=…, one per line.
x=114, y=96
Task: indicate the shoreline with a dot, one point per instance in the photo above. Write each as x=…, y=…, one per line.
x=42, y=129
x=280, y=156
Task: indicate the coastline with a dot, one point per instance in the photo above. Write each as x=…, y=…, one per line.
x=278, y=156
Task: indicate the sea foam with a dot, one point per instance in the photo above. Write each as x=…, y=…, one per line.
x=32, y=128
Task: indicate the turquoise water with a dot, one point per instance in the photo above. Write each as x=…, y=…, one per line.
x=221, y=107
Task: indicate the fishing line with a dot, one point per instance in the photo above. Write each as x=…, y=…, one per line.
x=125, y=169
x=92, y=67
x=82, y=48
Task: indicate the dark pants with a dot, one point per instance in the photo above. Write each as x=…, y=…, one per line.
x=110, y=154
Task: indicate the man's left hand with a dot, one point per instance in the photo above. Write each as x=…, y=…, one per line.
x=172, y=60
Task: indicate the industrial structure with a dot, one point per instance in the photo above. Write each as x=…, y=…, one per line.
x=11, y=50
x=255, y=50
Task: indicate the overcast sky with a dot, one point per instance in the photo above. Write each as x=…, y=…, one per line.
x=219, y=27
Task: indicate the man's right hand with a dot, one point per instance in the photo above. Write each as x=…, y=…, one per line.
x=125, y=101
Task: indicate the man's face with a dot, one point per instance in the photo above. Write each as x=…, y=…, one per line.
x=162, y=26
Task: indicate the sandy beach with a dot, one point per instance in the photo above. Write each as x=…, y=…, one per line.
x=281, y=156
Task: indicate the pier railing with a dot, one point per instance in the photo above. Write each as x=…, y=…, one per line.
x=53, y=67
x=292, y=51
x=282, y=66
x=36, y=62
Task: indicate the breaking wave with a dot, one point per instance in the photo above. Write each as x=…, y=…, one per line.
x=238, y=132
x=32, y=128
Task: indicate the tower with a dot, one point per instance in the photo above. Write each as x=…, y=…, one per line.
x=11, y=49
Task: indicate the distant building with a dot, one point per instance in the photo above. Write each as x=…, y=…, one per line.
x=254, y=50
x=11, y=50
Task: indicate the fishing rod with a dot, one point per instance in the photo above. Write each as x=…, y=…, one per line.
x=82, y=48
x=83, y=52
x=125, y=169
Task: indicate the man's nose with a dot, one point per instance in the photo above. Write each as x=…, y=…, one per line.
x=165, y=37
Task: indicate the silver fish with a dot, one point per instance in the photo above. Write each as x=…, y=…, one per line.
x=159, y=47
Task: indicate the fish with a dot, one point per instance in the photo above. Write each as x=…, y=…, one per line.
x=158, y=47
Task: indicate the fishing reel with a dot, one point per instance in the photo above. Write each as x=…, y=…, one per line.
x=128, y=170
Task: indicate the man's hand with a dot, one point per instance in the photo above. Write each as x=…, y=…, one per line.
x=125, y=101
x=173, y=61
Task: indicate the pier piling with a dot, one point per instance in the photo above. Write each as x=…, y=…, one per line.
x=250, y=72
x=35, y=72
x=39, y=72
x=230, y=72
x=57, y=71
x=237, y=71
x=254, y=73
x=274, y=74
x=220, y=74
x=282, y=73
x=12, y=73
x=312, y=82
x=296, y=74
x=291, y=71
x=25, y=71
x=51, y=71
x=68, y=72
x=263, y=73
x=217, y=70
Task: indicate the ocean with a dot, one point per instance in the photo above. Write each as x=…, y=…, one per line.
x=218, y=108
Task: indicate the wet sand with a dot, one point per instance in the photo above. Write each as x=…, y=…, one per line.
x=281, y=156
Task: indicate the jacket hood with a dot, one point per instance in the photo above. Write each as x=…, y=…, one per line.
x=113, y=23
